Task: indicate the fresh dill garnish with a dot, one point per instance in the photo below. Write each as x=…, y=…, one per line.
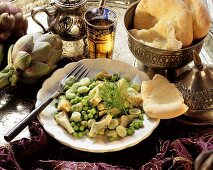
x=112, y=95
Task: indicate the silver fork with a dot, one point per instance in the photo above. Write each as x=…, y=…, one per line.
x=79, y=71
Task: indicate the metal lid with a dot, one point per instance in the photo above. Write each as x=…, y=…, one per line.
x=68, y=3
x=196, y=86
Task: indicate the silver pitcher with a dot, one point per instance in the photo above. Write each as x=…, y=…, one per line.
x=65, y=18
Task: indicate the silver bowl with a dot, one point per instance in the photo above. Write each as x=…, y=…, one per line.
x=154, y=57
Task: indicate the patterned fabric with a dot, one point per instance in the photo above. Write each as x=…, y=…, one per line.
x=41, y=152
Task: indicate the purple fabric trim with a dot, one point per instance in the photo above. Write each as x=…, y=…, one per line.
x=44, y=153
x=180, y=153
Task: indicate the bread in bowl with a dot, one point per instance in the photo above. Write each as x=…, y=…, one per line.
x=170, y=24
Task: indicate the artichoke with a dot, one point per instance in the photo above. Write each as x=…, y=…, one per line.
x=33, y=56
x=12, y=22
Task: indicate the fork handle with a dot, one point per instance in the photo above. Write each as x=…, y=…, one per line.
x=24, y=122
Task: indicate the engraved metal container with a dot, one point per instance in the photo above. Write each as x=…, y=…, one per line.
x=65, y=18
x=196, y=85
x=154, y=57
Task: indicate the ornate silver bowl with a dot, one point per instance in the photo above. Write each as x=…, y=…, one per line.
x=154, y=57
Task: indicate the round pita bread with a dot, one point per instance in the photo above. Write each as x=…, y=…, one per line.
x=161, y=99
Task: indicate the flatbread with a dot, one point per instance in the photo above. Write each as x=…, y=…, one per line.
x=170, y=24
x=161, y=99
x=149, y=12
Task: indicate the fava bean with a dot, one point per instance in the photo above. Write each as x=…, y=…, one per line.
x=121, y=131
x=70, y=95
x=113, y=124
x=85, y=81
x=76, y=116
x=77, y=107
x=83, y=89
x=135, y=86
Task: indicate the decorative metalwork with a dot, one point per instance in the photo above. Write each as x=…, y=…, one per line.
x=198, y=100
x=154, y=57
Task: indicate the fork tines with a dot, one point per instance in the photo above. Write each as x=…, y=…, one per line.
x=79, y=71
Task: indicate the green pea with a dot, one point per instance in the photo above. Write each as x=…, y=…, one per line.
x=85, y=108
x=129, y=132
x=140, y=116
x=75, y=101
x=56, y=104
x=90, y=116
x=86, y=117
x=72, y=101
x=93, y=111
x=110, y=138
x=75, y=134
x=80, y=134
x=140, y=123
x=132, y=128
x=81, y=128
x=86, y=98
x=73, y=124
x=84, y=102
x=66, y=87
x=115, y=77
x=75, y=128
x=137, y=125
x=83, y=112
x=91, y=86
x=96, y=116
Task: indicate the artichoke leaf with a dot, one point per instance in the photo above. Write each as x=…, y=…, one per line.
x=18, y=20
x=21, y=25
x=12, y=23
x=63, y=120
x=24, y=43
x=97, y=126
x=7, y=21
x=53, y=39
x=3, y=8
x=54, y=56
x=5, y=35
x=37, y=35
x=36, y=70
x=21, y=60
x=41, y=52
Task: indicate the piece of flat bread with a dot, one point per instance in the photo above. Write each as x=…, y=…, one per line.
x=173, y=11
x=161, y=99
x=187, y=20
x=200, y=16
x=162, y=36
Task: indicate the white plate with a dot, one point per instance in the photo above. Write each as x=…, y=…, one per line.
x=46, y=118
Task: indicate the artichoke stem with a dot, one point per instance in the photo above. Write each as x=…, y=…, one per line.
x=8, y=76
x=9, y=55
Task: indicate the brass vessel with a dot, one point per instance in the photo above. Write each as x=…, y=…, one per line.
x=158, y=58
x=196, y=86
x=65, y=18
